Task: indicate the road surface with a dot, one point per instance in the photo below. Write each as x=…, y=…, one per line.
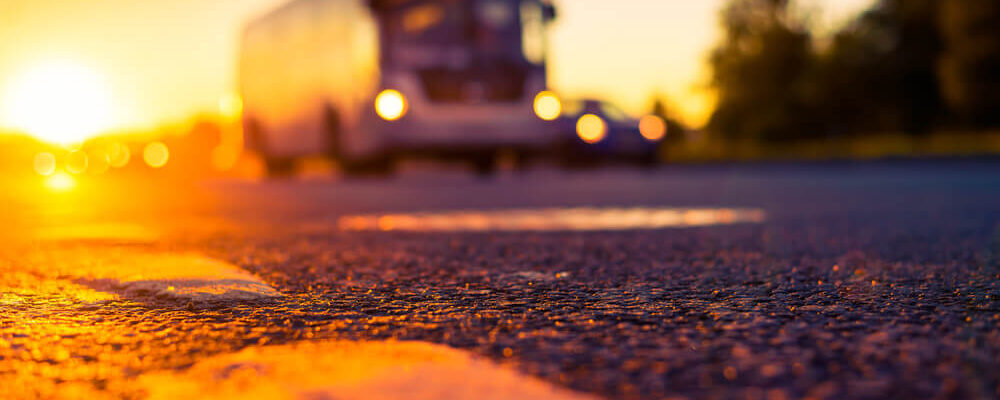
x=871, y=280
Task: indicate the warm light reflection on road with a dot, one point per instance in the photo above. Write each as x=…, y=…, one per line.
x=48, y=298
x=558, y=219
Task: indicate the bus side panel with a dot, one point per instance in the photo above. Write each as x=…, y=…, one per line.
x=297, y=64
x=351, y=76
x=272, y=85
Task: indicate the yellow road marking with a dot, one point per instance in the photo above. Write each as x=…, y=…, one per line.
x=350, y=370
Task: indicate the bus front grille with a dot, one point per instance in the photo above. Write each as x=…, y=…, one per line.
x=451, y=86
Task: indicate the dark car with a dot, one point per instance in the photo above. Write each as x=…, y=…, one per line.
x=598, y=132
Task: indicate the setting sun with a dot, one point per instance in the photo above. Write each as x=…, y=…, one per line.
x=58, y=103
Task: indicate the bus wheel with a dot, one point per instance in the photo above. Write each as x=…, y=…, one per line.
x=279, y=167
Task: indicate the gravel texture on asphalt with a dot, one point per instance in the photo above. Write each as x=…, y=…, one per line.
x=864, y=281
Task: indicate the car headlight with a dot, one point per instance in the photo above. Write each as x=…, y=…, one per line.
x=652, y=128
x=547, y=106
x=591, y=128
x=390, y=105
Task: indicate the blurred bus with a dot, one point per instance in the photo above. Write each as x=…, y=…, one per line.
x=369, y=81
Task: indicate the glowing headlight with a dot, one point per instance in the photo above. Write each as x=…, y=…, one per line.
x=390, y=105
x=591, y=128
x=652, y=128
x=547, y=106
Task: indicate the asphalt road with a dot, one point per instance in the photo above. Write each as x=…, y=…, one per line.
x=873, y=280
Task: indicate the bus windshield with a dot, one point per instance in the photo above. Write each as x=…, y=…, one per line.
x=490, y=28
x=429, y=23
x=466, y=51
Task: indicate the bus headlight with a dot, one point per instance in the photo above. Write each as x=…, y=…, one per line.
x=547, y=106
x=591, y=128
x=390, y=105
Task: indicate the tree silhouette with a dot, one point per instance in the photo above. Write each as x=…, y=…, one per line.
x=970, y=63
x=761, y=71
x=880, y=72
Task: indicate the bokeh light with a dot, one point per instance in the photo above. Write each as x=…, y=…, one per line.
x=390, y=105
x=60, y=182
x=156, y=154
x=118, y=155
x=547, y=106
x=591, y=128
x=652, y=127
x=99, y=162
x=77, y=162
x=45, y=163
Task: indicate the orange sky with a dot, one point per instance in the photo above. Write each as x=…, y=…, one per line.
x=163, y=60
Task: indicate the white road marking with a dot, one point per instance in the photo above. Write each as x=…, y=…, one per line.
x=134, y=273
x=178, y=276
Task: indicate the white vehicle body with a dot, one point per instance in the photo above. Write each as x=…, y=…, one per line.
x=467, y=73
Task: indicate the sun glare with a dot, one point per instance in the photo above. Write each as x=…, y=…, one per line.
x=60, y=182
x=58, y=103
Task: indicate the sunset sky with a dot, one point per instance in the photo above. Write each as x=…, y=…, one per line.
x=164, y=60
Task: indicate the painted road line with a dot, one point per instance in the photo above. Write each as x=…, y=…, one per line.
x=178, y=276
x=552, y=219
x=91, y=275
x=350, y=370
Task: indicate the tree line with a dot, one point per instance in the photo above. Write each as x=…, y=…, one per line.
x=910, y=66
